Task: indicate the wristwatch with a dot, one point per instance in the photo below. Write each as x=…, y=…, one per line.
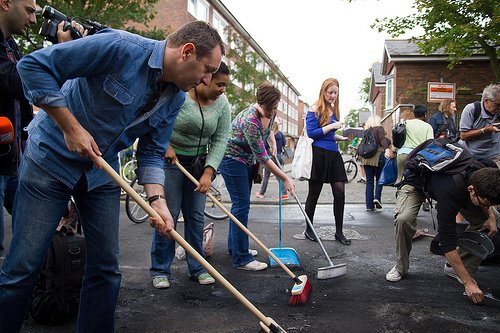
x=482, y=130
x=155, y=197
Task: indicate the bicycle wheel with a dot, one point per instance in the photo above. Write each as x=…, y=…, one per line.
x=219, y=191
x=351, y=170
x=134, y=212
x=128, y=171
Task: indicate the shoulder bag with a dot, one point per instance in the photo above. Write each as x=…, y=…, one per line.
x=197, y=167
x=302, y=158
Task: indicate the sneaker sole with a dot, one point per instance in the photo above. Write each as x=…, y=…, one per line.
x=244, y=268
x=204, y=283
x=161, y=287
x=393, y=279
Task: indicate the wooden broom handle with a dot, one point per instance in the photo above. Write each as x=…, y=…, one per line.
x=151, y=212
x=235, y=220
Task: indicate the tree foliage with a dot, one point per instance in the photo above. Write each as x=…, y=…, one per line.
x=245, y=75
x=364, y=89
x=352, y=118
x=460, y=27
x=119, y=14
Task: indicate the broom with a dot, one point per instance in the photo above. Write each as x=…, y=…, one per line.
x=302, y=287
x=266, y=323
x=327, y=272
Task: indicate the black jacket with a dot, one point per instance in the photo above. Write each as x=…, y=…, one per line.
x=11, y=90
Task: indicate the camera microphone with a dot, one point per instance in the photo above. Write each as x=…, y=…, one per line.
x=52, y=13
x=6, y=131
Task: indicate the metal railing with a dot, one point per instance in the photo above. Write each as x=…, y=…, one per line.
x=397, y=109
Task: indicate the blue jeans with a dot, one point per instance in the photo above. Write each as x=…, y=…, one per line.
x=40, y=202
x=237, y=177
x=179, y=191
x=8, y=186
x=372, y=175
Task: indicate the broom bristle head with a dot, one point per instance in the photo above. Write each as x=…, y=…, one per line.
x=300, y=282
x=302, y=297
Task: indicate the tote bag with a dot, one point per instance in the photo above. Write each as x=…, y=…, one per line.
x=302, y=159
x=389, y=173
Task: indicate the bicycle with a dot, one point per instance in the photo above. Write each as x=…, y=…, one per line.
x=128, y=170
x=218, y=189
x=351, y=168
x=134, y=212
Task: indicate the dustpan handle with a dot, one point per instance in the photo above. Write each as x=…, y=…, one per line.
x=280, y=185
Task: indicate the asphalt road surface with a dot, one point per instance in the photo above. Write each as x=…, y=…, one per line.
x=360, y=301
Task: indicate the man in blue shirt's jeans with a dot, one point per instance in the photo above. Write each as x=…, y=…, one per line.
x=98, y=94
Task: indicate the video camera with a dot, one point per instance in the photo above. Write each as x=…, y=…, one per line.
x=54, y=17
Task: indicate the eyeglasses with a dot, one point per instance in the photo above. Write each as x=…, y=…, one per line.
x=481, y=202
x=495, y=104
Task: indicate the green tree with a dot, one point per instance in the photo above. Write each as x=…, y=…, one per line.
x=119, y=14
x=460, y=27
x=352, y=118
x=245, y=75
x=364, y=89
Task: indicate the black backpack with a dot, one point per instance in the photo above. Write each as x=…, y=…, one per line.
x=57, y=293
x=368, y=146
x=399, y=135
x=439, y=155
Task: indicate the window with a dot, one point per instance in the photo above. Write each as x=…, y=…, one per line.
x=294, y=114
x=284, y=126
x=220, y=25
x=389, y=93
x=199, y=9
x=260, y=67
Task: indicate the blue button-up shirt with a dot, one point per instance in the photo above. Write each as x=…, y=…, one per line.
x=105, y=80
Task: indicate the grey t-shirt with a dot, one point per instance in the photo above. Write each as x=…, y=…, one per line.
x=485, y=145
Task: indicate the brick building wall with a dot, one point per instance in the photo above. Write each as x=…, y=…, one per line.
x=411, y=79
x=171, y=14
x=379, y=102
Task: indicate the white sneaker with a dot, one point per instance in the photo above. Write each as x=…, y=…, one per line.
x=448, y=270
x=205, y=278
x=161, y=282
x=252, y=252
x=377, y=204
x=254, y=266
x=393, y=275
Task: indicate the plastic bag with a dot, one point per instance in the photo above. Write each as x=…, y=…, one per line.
x=208, y=243
x=389, y=173
x=302, y=158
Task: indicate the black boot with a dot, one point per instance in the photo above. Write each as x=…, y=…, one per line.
x=310, y=235
x=341, y=238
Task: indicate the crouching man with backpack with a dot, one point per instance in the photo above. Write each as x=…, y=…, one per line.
x=463, y=186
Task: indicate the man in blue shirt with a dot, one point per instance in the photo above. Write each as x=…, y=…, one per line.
x=98, y=94
x=481, y=133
